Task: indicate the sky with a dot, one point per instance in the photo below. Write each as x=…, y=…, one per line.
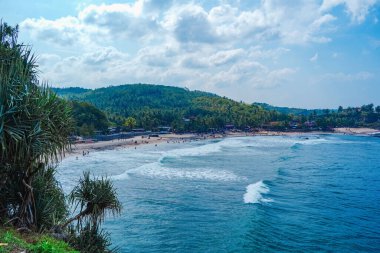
x=308, y=54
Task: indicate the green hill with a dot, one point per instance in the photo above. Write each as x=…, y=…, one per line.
x=88, y=118
x=290, y=110
x=67, y=92
x=157, y=105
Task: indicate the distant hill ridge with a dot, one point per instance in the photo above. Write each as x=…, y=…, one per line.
x=140, y=95
x=155, y=105
x=133, y=96
x=290, y=110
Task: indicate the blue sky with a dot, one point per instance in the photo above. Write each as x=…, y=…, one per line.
x=310, y=54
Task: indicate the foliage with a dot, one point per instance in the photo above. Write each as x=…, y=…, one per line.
x=157, y=105
x=364, y=116
x=91, y=239
x=50, y=201
x=130, y=122
x=35, y=243
x=88, y=118
x=94, y=197
x=67, y=92
x=34, y=126
x=289, y=110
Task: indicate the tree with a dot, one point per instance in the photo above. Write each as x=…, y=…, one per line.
x=367, y=108
x=94, y=198
x=130, y=122
x=34, y=129
x=378, y=109
x=87, y=115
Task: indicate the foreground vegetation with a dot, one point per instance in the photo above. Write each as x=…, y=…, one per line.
x=12, y=241
x=35, y=125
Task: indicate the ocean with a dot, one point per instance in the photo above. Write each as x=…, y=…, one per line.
x=309, y=193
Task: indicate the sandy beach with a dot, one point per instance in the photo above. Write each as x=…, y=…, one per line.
x=356, y=131
x=83, y=148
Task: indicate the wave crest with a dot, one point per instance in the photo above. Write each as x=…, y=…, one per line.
x=156, y=170
x=254, y=193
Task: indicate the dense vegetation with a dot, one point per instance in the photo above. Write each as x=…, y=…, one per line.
x=88, y=118
x=12, y=241
x=364, y=116
x=183, y=110
x=290, y=110
x=151, y=106
x=34, y=128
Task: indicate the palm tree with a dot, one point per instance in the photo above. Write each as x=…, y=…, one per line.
x=94, y=198
x=34, y=126
x=130, y=122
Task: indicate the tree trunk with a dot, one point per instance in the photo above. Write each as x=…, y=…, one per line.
x=76, y=217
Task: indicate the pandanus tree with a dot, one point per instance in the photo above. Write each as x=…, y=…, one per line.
x=93, y=198
x=34, y=129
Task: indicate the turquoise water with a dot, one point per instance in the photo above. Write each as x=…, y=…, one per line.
x=312, y=193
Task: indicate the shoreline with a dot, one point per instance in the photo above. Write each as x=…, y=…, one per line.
x=82, y=149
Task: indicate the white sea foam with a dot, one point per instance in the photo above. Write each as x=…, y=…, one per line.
x=202, y=150
x=285, y=141
x=313, y=141
x=194, y=151
x=254, y=193
x=156, y=170
x=122, y=176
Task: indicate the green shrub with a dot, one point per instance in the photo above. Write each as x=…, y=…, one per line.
x=33, y=243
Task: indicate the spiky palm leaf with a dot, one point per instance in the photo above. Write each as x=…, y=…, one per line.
x=34, y=126
x=93, y=199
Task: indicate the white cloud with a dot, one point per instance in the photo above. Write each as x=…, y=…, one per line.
x=357, y=9
x=349, y=77
x=147, y=20
x=314, y=58
x=119, y=20
x=63, y=31
x=216, y=48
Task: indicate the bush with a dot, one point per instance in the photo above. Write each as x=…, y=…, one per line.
x=91, y=239
x=49, y=200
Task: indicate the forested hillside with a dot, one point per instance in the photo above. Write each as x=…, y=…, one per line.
x=88, y=118
x=151, y=106
x=290, y=110
x=183, y=110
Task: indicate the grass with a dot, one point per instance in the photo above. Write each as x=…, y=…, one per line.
x=12, y=241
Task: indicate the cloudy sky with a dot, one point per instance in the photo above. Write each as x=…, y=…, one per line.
x=311, y=53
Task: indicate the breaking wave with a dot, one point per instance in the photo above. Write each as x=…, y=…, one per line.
x=254, y=193
x=156, y=170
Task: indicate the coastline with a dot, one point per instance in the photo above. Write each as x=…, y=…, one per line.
x=81, y=149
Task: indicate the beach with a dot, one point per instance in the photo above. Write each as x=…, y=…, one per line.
x=81, y=149
x=355, y=131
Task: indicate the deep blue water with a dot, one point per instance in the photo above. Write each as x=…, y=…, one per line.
x=312, y=193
